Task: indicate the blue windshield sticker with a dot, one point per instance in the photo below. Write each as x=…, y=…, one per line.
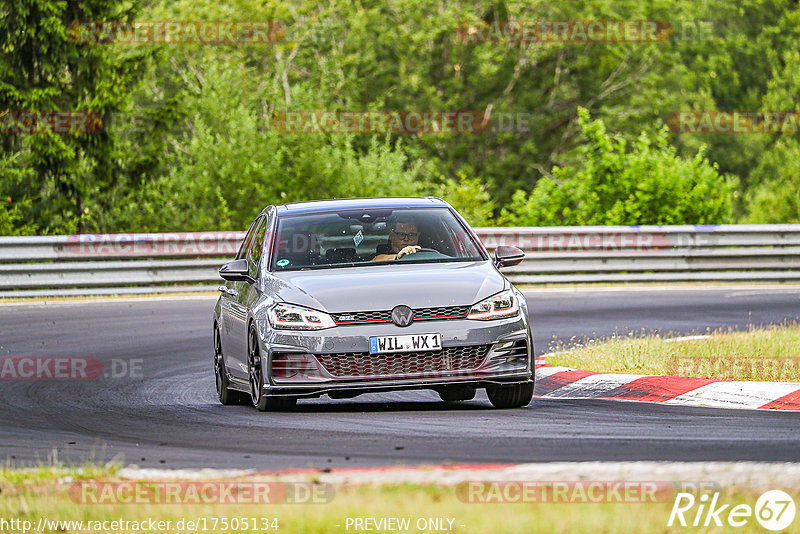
x=358, y=238
x=282, y=263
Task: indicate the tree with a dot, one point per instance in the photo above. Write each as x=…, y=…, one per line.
x=776, y=199
x=55, y=178
x=648, y=184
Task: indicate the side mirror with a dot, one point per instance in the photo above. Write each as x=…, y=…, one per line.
x=236, y=271
x=505, y=256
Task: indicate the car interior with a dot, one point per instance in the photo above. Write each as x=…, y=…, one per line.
x=338, y=244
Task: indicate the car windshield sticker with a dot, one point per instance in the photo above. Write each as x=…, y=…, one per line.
x=282, y=263
x=358, y=238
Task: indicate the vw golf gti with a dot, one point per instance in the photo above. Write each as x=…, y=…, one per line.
x=345, y=297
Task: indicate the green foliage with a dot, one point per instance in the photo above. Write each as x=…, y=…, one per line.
x=189, y=142
x=777, y=198
x=235, y=163
x=470, y=197
x=44, y=69
x=774, y=192
x=12, y=220
x=13, y=205
x=648, y=184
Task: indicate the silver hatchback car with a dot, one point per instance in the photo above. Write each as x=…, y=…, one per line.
x=344, y=297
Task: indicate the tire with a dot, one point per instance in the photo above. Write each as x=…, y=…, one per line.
x=515, y=396
x=225, y=394
x=457, y=393
x=261, y=402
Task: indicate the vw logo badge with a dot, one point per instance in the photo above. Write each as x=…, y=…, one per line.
x=402, y=315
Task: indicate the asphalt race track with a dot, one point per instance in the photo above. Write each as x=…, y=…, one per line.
x=169, y=417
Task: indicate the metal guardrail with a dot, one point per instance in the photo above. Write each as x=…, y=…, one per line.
x=141, y=263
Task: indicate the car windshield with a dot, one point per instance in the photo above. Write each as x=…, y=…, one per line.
x=371, y=237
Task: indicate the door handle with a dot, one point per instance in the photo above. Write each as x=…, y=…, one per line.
x=222, y=289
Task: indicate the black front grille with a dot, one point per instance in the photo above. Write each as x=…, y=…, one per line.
x=363, y=317
x=420, y=314
x=445, y=312
x=402, y=364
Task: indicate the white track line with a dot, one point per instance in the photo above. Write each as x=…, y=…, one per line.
x=543, y=372
x=592, y=386
x=735, y=394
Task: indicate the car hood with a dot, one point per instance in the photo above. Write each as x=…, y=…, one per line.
x=381, y=287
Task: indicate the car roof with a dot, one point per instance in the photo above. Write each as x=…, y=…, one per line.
x=317, y=206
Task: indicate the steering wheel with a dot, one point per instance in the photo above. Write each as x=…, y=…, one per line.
x=423, y=254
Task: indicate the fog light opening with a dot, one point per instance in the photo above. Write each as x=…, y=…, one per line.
x=294, y=367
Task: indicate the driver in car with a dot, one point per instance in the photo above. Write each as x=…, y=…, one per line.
x=403, y=238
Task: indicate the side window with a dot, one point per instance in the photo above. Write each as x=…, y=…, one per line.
x=256, y=248
x=267, y=242
x=245, y=246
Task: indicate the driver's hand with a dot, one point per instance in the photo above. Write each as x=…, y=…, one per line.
x=405, y=251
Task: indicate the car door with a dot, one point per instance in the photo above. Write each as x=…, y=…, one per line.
x=228, y=299
x=242, y=299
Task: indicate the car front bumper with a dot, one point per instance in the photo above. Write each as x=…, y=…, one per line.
x=507, y=345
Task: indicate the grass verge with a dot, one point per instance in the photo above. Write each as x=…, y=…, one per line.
x=47, y=493
x=768, y=354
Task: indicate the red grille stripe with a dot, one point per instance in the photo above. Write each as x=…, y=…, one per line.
x=438, y=317
x=365, y=321
x=415, y=318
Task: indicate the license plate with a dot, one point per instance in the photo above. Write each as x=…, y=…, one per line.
x=407, y=343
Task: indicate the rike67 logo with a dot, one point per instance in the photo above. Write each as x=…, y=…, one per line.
x=774, y=510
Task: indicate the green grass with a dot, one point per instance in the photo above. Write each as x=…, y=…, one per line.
x=45, y=474
x=44, y=492
x=770, y=354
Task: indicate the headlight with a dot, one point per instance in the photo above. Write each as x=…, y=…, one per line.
x=291, y=317
x=503, y=304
